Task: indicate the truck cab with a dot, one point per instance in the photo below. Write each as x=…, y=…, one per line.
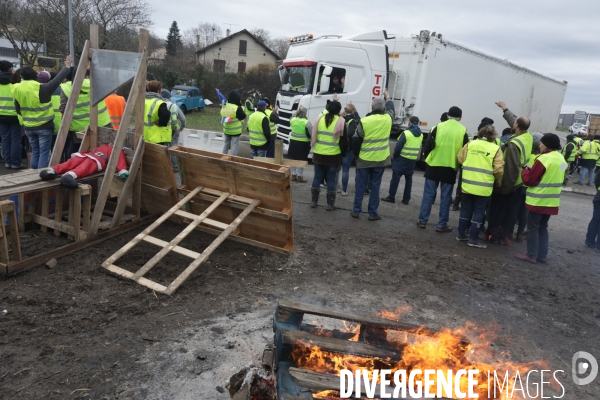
x=354, y=68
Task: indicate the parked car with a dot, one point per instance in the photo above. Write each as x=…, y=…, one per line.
x=187, y=98
x=574, y=127
x=582, y=129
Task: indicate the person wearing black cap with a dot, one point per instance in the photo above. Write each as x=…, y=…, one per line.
x=404, y=158
x=259, y=131
x=569, y=151
x=442, y=147
x=10, y=128
x=592, y=238
x=232, y=115
x=544, y=185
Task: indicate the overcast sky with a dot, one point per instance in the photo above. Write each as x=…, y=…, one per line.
x=557, y=38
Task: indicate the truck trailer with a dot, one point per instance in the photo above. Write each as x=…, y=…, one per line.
x=425, y=75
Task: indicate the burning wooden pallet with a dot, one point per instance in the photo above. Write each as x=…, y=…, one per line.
x=369, y=340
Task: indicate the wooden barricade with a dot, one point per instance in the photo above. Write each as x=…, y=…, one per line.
x=7, y=212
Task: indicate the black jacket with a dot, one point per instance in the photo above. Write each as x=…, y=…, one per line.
x=7, y=119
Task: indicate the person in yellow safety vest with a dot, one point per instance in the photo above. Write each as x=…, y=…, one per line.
x=232, y=115
x=178, y=122
x=157, y=117
x=442, y=147
x=33, y=101
x=329, y=139
x=299, y=141
x=371, y=146
x=589, y=153
x=544, y=185
x=259, y=131
x=569, y=151
x=352, y=119
x=116, y=107
x=404, y=158
x=273, y=119
x=458, y=196
x=482, y=169
x=592, y=238
x=250, y=108
x=517, y=153
x=597, y=141
x=10, y=127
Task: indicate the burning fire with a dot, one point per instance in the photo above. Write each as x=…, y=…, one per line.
x=445, y=350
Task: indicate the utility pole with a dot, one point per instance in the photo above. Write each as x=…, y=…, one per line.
x=71, y=49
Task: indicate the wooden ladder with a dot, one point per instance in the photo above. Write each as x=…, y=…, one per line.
x=198, y=258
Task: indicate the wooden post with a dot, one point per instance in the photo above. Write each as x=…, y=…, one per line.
x=139, y=84
x=58, y=208
x=93, y=131
x=14, y=233
x=70, y=108
x=139, y=111
x=278, y=151
x=45, y=207
x=131, y=179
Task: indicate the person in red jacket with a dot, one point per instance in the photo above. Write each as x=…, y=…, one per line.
x=81, y=165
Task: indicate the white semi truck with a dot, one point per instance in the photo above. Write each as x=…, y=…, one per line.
x=425, y=75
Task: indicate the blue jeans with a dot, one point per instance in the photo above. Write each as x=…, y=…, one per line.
x=593, y=233
x=329, y=173
x=346, y=163
x=472, y=212
x=364, y=176
x=11, y=144
x=257, y=153
x=537, y=235
x=428, y=198
x=40, y=141
x=583, y=173
x=402, y=167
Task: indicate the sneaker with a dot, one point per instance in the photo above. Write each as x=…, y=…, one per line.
x=353, y=214
x=543, y=260
x=388, y=199
x=455, y=207
x=339, y=190
x=591, y=246
x=300, y=179
x=421, y=225
x=525, y=257
x=462, y=239
x=588, y=184
x=344, y=193
x=321, y=185
x=477, y=245
x=404, y=202
x=445, y=229
x=577, y=183
x=374, y=217
x=570, y=175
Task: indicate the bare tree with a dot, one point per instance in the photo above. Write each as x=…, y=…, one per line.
x=280, y=46
x=23, y=25
x=263, y=35
x=206, y=33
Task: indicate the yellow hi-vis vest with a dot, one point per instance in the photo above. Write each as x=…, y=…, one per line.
x=589, y=150
x=298, y=126
x=478, y=168
x=57, y=114
x=598, y=147
x=412, y=147
x=7, y=101
x=81, y=115
x=449, y=138
x=525, y=143
x=34, y=113
x=233, y=128
x=547, y=192
x=376, y=143
x=326, y=145
x=573, y=151
x=250, y=109
x=271, y=125
x=255, y=130
x=152, y=132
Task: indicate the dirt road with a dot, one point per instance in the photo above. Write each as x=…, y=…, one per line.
x=75, y=331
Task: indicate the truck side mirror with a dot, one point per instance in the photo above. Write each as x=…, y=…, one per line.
x=324, y=85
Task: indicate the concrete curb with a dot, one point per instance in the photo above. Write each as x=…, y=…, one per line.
x=578, y=191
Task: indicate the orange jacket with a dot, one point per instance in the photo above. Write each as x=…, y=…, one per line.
x=116, y=108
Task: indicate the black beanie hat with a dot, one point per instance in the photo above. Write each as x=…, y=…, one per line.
x=334, y=107
x=484, y=122
x=414, y=120
x=551, y=141
x=5, y=65
x=444, y=117
x=455, y=112
x=234, y=98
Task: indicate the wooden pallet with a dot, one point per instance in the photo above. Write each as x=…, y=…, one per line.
x=298, y=383
x=7, y=211
x=195, y=221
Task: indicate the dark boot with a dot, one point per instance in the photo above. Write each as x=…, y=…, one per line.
x=331, y=201
x=68, y=181
x=47, y=174
x=315, y=197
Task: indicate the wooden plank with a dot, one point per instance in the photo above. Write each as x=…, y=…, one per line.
x=182, y=235
x=73, y=247
x=149, y=229
x=14, y=233
x=87, y=207
x=209, y=250
x=45, y=206
x=293, y=337
x=41, y=185
x=177, y=249
x=4, y=257
x=153, y=190
x=21, y=210
x=278, y=151
x=70, y=108
x=58, y=208
x=53, y=224
x=157, y=287
x=231, y=180
x=139, y=111
x=75, y=212
x=138, y=86
x=127, y=188
x=286, y=162
x=93, y=127
x=207, y=221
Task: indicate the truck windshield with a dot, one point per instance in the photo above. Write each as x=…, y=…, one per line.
x=297, y=79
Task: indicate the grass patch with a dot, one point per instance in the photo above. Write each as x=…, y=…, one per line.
x=207, y=120
x=562, y=128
